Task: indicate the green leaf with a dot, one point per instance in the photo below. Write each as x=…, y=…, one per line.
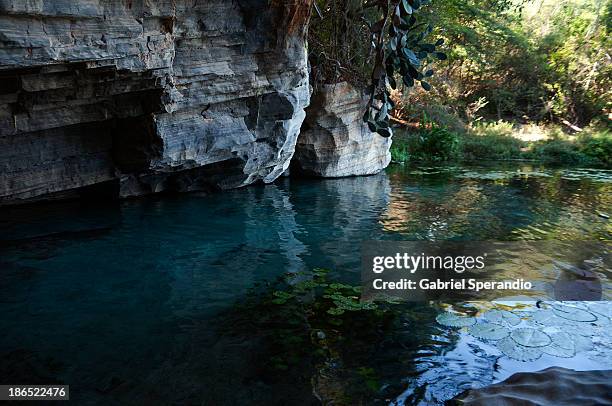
x=334, y=311
x=407, y=8
x=440, y=42
x=441, y=56
x=573, y=313
x=393, y=43
x=428, y=47
x=413, y=72
x=415, y=4
x=513, y=350
x=389, y=69
x=383, y=123
x=453, y=320
x=408, y=81
x=385, y=132
x=382, y=114
x=530, y=337
x=411, y=56
x=429, y=73
x=372, y=126
x=488, y=331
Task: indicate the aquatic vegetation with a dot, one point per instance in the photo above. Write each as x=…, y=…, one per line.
x=514, y=350
x=502, y=316
x=573, y=313
x=562, y=345
x=489, y=331
x=556, y=329
x=313, y=323
x=454, y=320
x=595, y=175
x=530, y=337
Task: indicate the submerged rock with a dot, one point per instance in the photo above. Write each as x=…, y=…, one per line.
x=148, y=96
x=334, y=141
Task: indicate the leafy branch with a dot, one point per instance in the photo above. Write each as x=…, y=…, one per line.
x=400, y=48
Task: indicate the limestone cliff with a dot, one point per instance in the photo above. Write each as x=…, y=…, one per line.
x=335, y=141
x=142, y=96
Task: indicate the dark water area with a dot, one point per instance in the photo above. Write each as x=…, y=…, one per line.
x=134, y=302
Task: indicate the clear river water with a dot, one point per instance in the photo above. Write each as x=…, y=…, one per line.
x=134, y=301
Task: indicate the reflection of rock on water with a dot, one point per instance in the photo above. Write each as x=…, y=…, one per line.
x=342, y=213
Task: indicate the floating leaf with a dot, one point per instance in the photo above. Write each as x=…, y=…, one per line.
x=510, y=318
x=562, y=346
x=582, y=343
x=499, y=316
x=545, y=317
x=488, y=331
x=530, y=337
x=601, y=308
x=494, y=316
x=582, y=329
x=513, y=350
x=573, y=313
x=453, y=320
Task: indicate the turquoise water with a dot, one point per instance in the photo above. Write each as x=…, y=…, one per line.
x=130, y=301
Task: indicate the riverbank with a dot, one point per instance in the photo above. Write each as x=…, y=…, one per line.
x=504, y=141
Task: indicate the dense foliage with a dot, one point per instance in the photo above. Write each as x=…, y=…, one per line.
x=540, y=60
x=398, y=49
x=511, y=63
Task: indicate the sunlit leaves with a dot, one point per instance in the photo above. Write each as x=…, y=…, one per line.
x=573, y=313
x=489, y=331
x=454, y=320
x=530, y=337
x=513, y=350
x=526, y=335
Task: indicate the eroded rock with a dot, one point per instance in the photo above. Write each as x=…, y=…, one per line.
x=151, y=95
x=334, y=141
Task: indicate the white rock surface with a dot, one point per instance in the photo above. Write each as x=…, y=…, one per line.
x=149, y=95
x=334, y=141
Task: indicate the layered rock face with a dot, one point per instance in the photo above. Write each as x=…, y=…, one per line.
x=142, y=96
x=334, y=141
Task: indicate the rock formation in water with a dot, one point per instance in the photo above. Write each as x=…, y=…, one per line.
x=143, y=96
x=335, y=141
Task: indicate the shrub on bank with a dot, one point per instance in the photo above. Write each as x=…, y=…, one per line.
x=431, y=143
x=597, y=147
x=495, y=147
x=558, y=152
x=496, y=142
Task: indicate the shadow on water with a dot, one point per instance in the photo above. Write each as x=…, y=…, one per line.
x=164, y=299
